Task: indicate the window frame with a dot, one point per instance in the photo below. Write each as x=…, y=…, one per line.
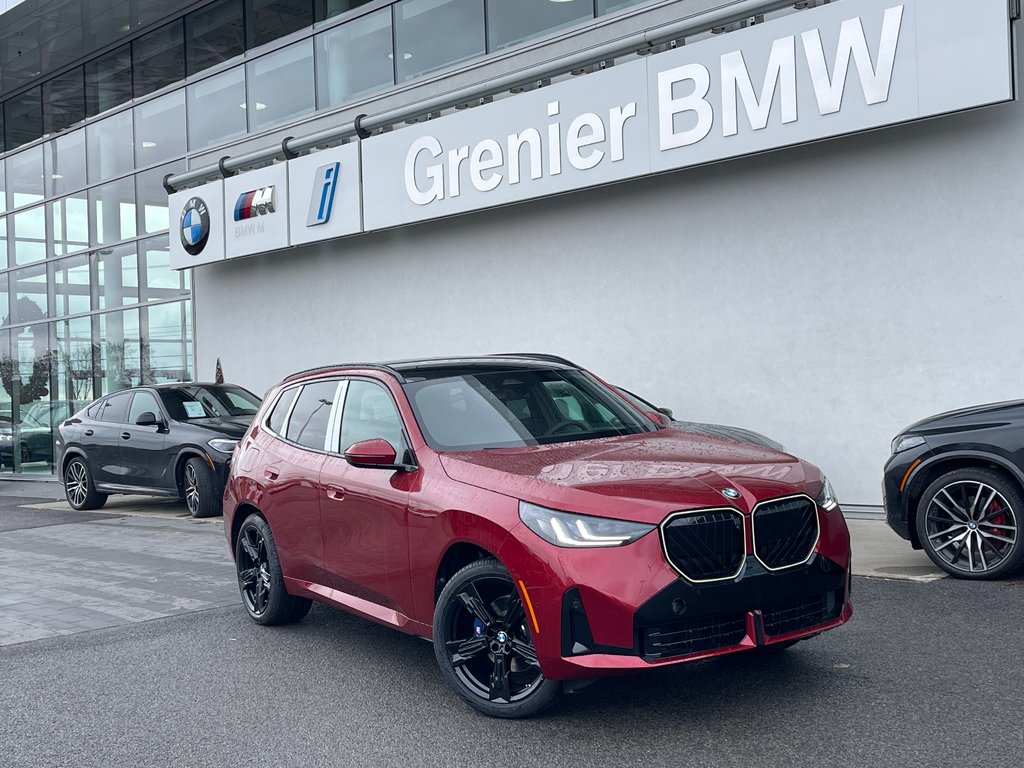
x=340, y=389
x=335, y=441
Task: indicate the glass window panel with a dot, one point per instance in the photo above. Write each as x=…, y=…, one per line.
x=73, y=361
x=3, y=242
x=216, y=109
x=281, y=85
x=271, y=19
x=108, y=81
x=63, y=101
x=5, y=303
x=113, y=211
x=110, y=146
x=115, y=276
x=309, y=420
x=214, y=34
x=64, y=164
x=158, y=280
x=354, y=59
x=29, y=236
x=328, y=9
x=369, y=413
x=431, y=34
x=3, y=179
x=28, y=290
x=119, y=348
x=71, y=285
x=151, y=197
x=143, y=402
x=30, y=385
x=3, y=146
x=607, y=6
x=158, y=58
x=511, y=23
x=169, y=346
x=23, y=118
x=69, y=220
x=160, y=129
x=25, y=178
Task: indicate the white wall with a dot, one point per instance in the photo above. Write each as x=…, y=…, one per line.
x=826, y=296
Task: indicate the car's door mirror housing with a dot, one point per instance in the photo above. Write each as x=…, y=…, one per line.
x=148, y=419
x=667, y=412
x=372, y=454
x=658, y=418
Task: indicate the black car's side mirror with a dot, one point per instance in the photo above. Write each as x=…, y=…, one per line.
x=148, y=419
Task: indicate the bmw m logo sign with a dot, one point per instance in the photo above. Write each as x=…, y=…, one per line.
x=256, y=202
x=194, y=226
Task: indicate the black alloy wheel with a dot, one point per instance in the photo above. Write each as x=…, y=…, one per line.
x=260, y=579
x=79, y=488
x=200, y=497
x=968, y=523
x=484, y=646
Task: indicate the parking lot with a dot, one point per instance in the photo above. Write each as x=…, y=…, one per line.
x=132, y=650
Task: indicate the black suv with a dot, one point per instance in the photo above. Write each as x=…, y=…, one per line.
x=167, y=440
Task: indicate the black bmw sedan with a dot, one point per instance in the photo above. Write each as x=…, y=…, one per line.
x=954, y=487
x=166, y=440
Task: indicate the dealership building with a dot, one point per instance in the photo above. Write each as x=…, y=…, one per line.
x=796, y=217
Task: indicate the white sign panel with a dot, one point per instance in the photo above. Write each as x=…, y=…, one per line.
x=845, y=67
x=325, y=200
x=197, y=225
x=256, y=211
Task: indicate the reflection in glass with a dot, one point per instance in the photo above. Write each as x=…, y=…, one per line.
x=119, y=350
x=25, y=178
x=214, y=33
x=113, y=211
x=431, y=34
x=71, y=285
x=23, y=118
x=354, y=59
x=216, y=109
x=158, y=58
x=29, y=236
x=271, y=19
x=64, y=164
x=110, y=146
x=26, y=378
x=281, y=85
x=3, y=242
x=3, y=181
x=108, y=80
x=69, y=218
x=160, y=129
x=5, y=300
x=168, y=343
x=158, y=280
x=607, y=6
x=63, y=101
x=328, y=9
x=151, y=197
x=73, y=361
x=511, y=23
x=28, y=289
x=115, y=276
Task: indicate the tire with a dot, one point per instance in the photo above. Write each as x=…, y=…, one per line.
x=200, y=497
x=79, y=489
x=26, y=454
x=968, y=522
x=260, y=580
x=480, y=631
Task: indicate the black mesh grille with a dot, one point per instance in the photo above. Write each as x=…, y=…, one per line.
x=693, y=636
x=785, y=531
x=705, y=545
x=802, y=613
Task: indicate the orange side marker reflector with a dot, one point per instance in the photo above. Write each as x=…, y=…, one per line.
x=529, y=607
x=906, y=477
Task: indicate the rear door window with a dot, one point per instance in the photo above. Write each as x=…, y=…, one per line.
x=115, y=408
x=310, y=417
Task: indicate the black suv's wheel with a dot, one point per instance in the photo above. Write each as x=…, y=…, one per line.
x=968, y=523
x=200, y=497
x=260, y=579
x=78, y=486
x=483, y=644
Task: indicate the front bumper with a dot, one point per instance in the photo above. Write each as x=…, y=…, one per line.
x=613, y=610
x=897, y=478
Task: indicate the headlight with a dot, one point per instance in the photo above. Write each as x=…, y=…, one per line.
x=827, y=498
x=906, y=442
x=564, y=529
x=222, y=444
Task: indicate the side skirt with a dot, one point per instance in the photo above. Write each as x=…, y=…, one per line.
x=358, y=606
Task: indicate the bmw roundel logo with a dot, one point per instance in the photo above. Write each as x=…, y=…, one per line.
x=730, y=493
x=195, y=226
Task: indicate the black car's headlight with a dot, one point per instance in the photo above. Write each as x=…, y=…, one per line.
x=565, y=529
x=827, y=498
x=222, y=444
x=906, y=442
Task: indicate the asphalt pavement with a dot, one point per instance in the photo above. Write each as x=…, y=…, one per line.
x=926, y=673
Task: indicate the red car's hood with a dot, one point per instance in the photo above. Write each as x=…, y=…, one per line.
x=637, y=477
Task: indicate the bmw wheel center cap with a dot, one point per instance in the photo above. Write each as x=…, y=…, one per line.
x=194, y=226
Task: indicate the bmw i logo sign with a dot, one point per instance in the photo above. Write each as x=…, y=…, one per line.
x=730, y=493
x=195, y=226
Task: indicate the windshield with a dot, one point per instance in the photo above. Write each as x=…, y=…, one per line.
x=507, y=409
x=209, y=402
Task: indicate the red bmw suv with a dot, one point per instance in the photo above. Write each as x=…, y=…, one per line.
x=531, y=522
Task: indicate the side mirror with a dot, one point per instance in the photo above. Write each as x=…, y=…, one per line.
x=658, y=418
x=148, y=419
x=371, y=454
x=667, y=412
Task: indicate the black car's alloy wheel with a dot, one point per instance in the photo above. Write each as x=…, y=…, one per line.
x=968, y=524
x=260, y=579
x=79, y=488
x=484, y=647
x=200, y=497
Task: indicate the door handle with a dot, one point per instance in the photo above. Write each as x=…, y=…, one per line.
x=335, y=492
x=271, y=474
x=88, y=433
x=126, y=435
